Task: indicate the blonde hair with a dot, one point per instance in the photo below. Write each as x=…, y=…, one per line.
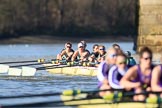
x=110, y=49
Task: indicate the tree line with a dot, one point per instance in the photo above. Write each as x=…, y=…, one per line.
x=67, y=17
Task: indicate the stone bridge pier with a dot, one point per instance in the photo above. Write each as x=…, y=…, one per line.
x=150, y=25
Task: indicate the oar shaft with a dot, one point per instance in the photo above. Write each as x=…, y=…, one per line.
x=29, y=64
x=18, y=62
x=46, y=67
x=30, y=95
x=52, y=67
x=61, y=103
x=45, y=94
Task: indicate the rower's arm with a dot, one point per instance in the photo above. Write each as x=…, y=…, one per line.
x=59, y=56
x=74, y=55
x=126, y=80
x=85, y=56
x=62, y=53
x=100, y=75
x=156, y=73
x=70, y=56
x=112, y=78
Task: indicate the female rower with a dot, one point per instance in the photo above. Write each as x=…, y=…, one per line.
x=81, y=54
x=103, y=70
x=138, y=77
x=117, y=47
x=117, y=71
x=66, y=53
x=85, y=45
x=102, y=53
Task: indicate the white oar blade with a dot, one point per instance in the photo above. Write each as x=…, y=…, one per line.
x=4, y=68
x=28, y=71
x=14, y=72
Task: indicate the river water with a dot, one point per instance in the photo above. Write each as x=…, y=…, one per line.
x=43, y=82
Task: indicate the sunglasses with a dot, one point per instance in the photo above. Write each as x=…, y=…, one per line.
x=123, y=62
x=112, y=55
x=102, y=49
x=68, y=46
x=147, y=58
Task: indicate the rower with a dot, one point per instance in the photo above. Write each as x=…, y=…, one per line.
x=85, y=45
x=118, y=48
x=130, y=60
x=66, y=53
x=156, y=81
x=103, y=70
x=102, y=53
x=93, y=56
x=138, y=77
x=81, y=53
x=117, y=71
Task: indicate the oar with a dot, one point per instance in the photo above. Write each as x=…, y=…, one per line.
x=77, y=92
x=122, y=92
x=40, y=63
x=65, y=92
x=25, y=70
x=52, y=67
x=4, y=68
x=30, y=71
x=53, y=103
x=58, y=104
x=30, y=64
x=39, y=60
x=65, y=103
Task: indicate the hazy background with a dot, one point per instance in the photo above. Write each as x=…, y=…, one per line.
x=67, y=18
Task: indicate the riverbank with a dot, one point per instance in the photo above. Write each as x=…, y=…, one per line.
x=62, y=39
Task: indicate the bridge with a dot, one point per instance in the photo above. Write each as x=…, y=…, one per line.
x=150, y=24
